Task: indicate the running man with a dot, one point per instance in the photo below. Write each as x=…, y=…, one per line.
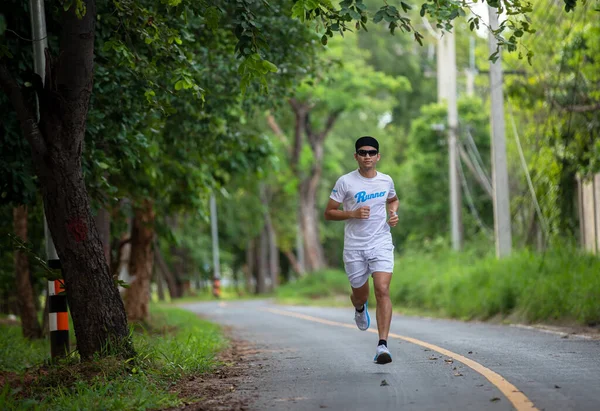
x=370, y=208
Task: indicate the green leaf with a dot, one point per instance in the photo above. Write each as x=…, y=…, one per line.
x=298, y=10
x=354, y=14
x=378, y=16
x=529, y=56
x=270, y=66
x=212, y=17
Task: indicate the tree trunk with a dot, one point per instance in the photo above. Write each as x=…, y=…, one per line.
x=274, y=268
x=159, y=284
x=137, y=296
x=123, y=246
x=56, y=143
x=25, y=294
x=293, y=261
x=250, y=263
x=103, y=224
x=166, y=272
x=262, y=272
x=309, y=218
x=270, y=248
x=307, y=189
x=178, y=269
x=309, y=223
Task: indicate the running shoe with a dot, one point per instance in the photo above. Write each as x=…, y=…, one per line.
x=363, y=321
x=382, y=356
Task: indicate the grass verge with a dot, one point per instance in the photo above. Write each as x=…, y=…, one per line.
x=174, y=345
x=562, y=286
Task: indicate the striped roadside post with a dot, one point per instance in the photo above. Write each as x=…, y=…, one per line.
x=58, y=315
x=217, y=287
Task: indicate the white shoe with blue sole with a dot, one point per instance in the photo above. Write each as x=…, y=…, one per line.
x=363, y=321
x=383, y=355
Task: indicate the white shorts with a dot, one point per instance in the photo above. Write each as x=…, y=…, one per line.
x=360, y=264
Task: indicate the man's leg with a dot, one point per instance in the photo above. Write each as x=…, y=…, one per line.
x=359, y=298
x=381, y=283
x=360, y=295
x=358, y=275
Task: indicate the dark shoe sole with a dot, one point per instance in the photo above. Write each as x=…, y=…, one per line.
x=383, y=359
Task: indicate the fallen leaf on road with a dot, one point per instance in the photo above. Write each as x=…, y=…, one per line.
x=448, y=360
x=457, y=374
x=495, y=399
x=433, y=358
x=383, y=383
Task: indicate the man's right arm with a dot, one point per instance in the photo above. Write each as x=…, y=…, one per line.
x=333, y=212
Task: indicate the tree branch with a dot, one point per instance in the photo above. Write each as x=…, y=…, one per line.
x=584, y=108
x=273, y=125
x=299, y=127
x=329, y=125
x=308, y=128
x=29, y=125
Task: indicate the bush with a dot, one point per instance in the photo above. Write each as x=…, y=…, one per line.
x=560, y=285
x=174, y=345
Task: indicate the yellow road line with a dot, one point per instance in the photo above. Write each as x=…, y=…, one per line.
x=514, y=395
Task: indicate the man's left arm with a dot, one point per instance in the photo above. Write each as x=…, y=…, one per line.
x=392, y=208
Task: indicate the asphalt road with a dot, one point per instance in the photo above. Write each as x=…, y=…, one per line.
x=310, y=358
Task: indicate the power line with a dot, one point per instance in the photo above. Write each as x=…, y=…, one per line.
x=470, y=201
x=476, y=157
x=526, y=171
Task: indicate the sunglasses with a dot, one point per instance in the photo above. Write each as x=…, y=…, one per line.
x=363, y=153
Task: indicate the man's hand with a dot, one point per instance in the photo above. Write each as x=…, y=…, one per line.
x=393, y=219
x=362, y=213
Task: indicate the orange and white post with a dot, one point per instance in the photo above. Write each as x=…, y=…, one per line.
x=58, y=319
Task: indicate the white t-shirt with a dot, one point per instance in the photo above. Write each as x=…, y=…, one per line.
x=353, y=191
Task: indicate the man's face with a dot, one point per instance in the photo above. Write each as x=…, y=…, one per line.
x=367, y=157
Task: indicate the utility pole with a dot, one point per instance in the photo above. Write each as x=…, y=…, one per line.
x=447, y=92
x=502, y=223
x=215, y=247
x=471, y=71
x=58, y=316
x=455, y=194
x=442, y=78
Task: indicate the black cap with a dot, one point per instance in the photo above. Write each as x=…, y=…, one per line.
x=366, y=141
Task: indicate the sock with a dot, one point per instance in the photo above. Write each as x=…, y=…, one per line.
x=361, y=310
x=382, y=342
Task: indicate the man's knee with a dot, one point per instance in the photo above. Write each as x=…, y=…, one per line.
x=382, y=291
